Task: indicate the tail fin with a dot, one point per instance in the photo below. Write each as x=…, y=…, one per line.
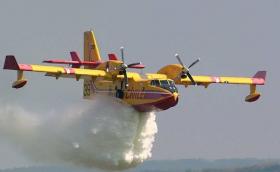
x=91, y=49
x=91, y=53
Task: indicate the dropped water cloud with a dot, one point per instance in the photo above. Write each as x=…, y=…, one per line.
x=104, y=134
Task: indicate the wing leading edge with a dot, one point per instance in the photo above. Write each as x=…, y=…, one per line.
x=55, y=71
x=257, y=79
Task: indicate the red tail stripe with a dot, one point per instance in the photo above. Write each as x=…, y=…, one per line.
x=112, y=56
x=75, y=56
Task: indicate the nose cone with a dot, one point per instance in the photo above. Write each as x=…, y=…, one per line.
x=176, y=97
x=168, y=102
x=171, y=101
x=175, y=100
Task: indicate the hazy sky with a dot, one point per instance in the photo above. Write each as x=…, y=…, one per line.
x=231, y=37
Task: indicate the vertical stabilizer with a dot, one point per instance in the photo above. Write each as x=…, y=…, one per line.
x=91, y=49
x=91, y=53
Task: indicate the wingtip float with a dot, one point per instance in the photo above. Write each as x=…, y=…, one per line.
x=154, y=91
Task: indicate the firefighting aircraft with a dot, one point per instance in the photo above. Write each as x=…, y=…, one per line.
x=149, y=92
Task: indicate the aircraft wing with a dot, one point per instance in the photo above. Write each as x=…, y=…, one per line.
x=257, y=79
x=131, y=75
x=55, y=71
x=174, y=72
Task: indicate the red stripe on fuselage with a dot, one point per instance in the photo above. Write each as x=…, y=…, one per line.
x=145, y=95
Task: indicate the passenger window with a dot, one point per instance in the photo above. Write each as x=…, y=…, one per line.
x=157, y=83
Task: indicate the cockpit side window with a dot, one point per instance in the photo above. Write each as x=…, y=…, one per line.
x=164, y=82
x=171, y=83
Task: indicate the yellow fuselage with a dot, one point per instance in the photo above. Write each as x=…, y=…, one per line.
x=144, y=93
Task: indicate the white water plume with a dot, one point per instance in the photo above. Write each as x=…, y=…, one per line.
x=100, y=133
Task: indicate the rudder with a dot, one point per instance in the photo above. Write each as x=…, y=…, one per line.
x=91, y=53
x=91, y=49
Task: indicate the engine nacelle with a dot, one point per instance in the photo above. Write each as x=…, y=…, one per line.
x=173, y=71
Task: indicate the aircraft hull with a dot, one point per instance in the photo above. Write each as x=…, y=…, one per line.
x=158, y=105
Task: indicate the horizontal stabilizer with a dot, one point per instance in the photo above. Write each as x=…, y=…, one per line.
x=58, y=61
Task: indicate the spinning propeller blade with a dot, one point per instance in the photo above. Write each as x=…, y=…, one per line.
x=179, y=59
x=191, y=78
x=107, y=67
x=122, y=53
x=123, y=66
x=194, y=63
x=185, y=70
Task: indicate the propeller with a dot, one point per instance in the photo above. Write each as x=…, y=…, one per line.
x=186, y=70
x=134, y=65
x=107, y=67
x=122, y=53
x=122, y=68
